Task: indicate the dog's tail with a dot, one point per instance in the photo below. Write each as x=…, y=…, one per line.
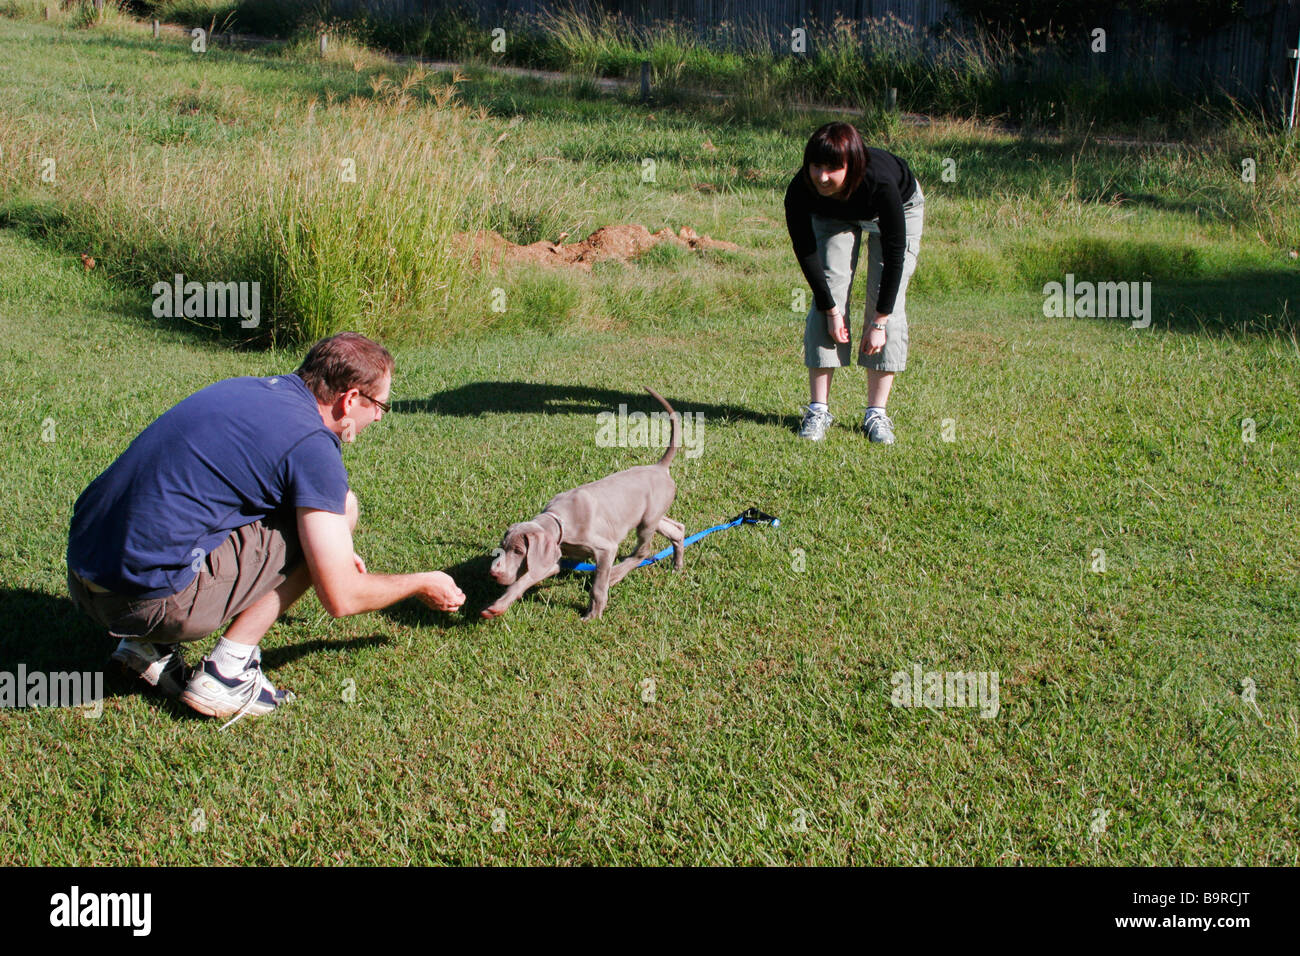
x=676, y=441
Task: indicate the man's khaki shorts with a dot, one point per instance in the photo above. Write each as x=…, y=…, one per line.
x=253, y=561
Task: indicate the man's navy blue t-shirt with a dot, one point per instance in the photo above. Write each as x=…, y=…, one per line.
x=230, y=454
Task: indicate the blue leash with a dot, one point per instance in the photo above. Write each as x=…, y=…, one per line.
x=748, y=516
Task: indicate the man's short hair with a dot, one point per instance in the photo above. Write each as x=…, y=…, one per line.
x=344, y=361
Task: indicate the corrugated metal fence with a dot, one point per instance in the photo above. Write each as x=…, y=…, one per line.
x=1246, y=59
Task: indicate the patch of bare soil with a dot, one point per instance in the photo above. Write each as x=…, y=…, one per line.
x=621, y=242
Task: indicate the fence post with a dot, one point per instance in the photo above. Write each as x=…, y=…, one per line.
x=891, y=99
x=99, y=6
x=645, y=81
x=1295, y=81
x=156, y=29
x=323, y=43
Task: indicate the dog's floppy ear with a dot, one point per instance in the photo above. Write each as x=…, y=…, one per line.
x=499, y=552
x=543, y=550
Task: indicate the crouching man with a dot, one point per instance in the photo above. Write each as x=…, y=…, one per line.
x=227, y=508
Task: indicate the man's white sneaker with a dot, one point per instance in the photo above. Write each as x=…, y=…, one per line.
x=158, y=665
x=212, y=693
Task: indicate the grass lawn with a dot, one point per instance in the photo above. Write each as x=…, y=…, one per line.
x=1148, y=713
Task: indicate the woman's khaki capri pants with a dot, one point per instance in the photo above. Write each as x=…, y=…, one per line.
x=838, y=244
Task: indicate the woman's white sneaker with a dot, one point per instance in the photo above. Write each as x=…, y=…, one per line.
x=879, y=427
x=814, y=424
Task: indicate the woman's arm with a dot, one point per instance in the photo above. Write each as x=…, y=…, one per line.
x=893, y=245
x=798, y=222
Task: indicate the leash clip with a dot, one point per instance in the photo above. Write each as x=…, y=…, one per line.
x=754, y=516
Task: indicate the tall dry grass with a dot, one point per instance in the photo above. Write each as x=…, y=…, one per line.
x=345, y=215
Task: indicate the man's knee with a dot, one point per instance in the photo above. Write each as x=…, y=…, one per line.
x=352, y=510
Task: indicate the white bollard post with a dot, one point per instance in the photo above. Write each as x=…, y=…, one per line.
x=1295, y=82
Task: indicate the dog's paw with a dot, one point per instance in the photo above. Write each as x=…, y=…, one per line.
x=492, y=611
x=592, y=614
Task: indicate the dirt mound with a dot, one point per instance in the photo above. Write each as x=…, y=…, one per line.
x=621, y=242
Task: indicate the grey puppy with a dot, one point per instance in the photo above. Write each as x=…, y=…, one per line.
x=591, y=521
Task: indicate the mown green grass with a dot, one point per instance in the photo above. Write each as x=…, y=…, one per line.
x=1120, y=691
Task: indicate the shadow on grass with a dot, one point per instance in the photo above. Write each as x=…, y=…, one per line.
x=44, y=633
x=1253, y=302
x=541, y=398
x=41, y=632
x=273, y=657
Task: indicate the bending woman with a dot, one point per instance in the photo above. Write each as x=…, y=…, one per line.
x=843, y=188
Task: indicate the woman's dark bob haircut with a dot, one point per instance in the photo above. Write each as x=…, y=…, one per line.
x=836, y=145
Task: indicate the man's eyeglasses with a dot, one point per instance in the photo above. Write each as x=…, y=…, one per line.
x=384, y=406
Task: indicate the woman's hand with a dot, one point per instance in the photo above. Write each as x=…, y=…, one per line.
x=835, y=325
x=873, y=339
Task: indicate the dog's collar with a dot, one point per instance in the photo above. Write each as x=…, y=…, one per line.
x=559, y=527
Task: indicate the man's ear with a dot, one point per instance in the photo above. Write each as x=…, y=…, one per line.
x=543, y=550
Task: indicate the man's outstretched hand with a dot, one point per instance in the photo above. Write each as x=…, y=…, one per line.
x=441, y=593
x=342, y=581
